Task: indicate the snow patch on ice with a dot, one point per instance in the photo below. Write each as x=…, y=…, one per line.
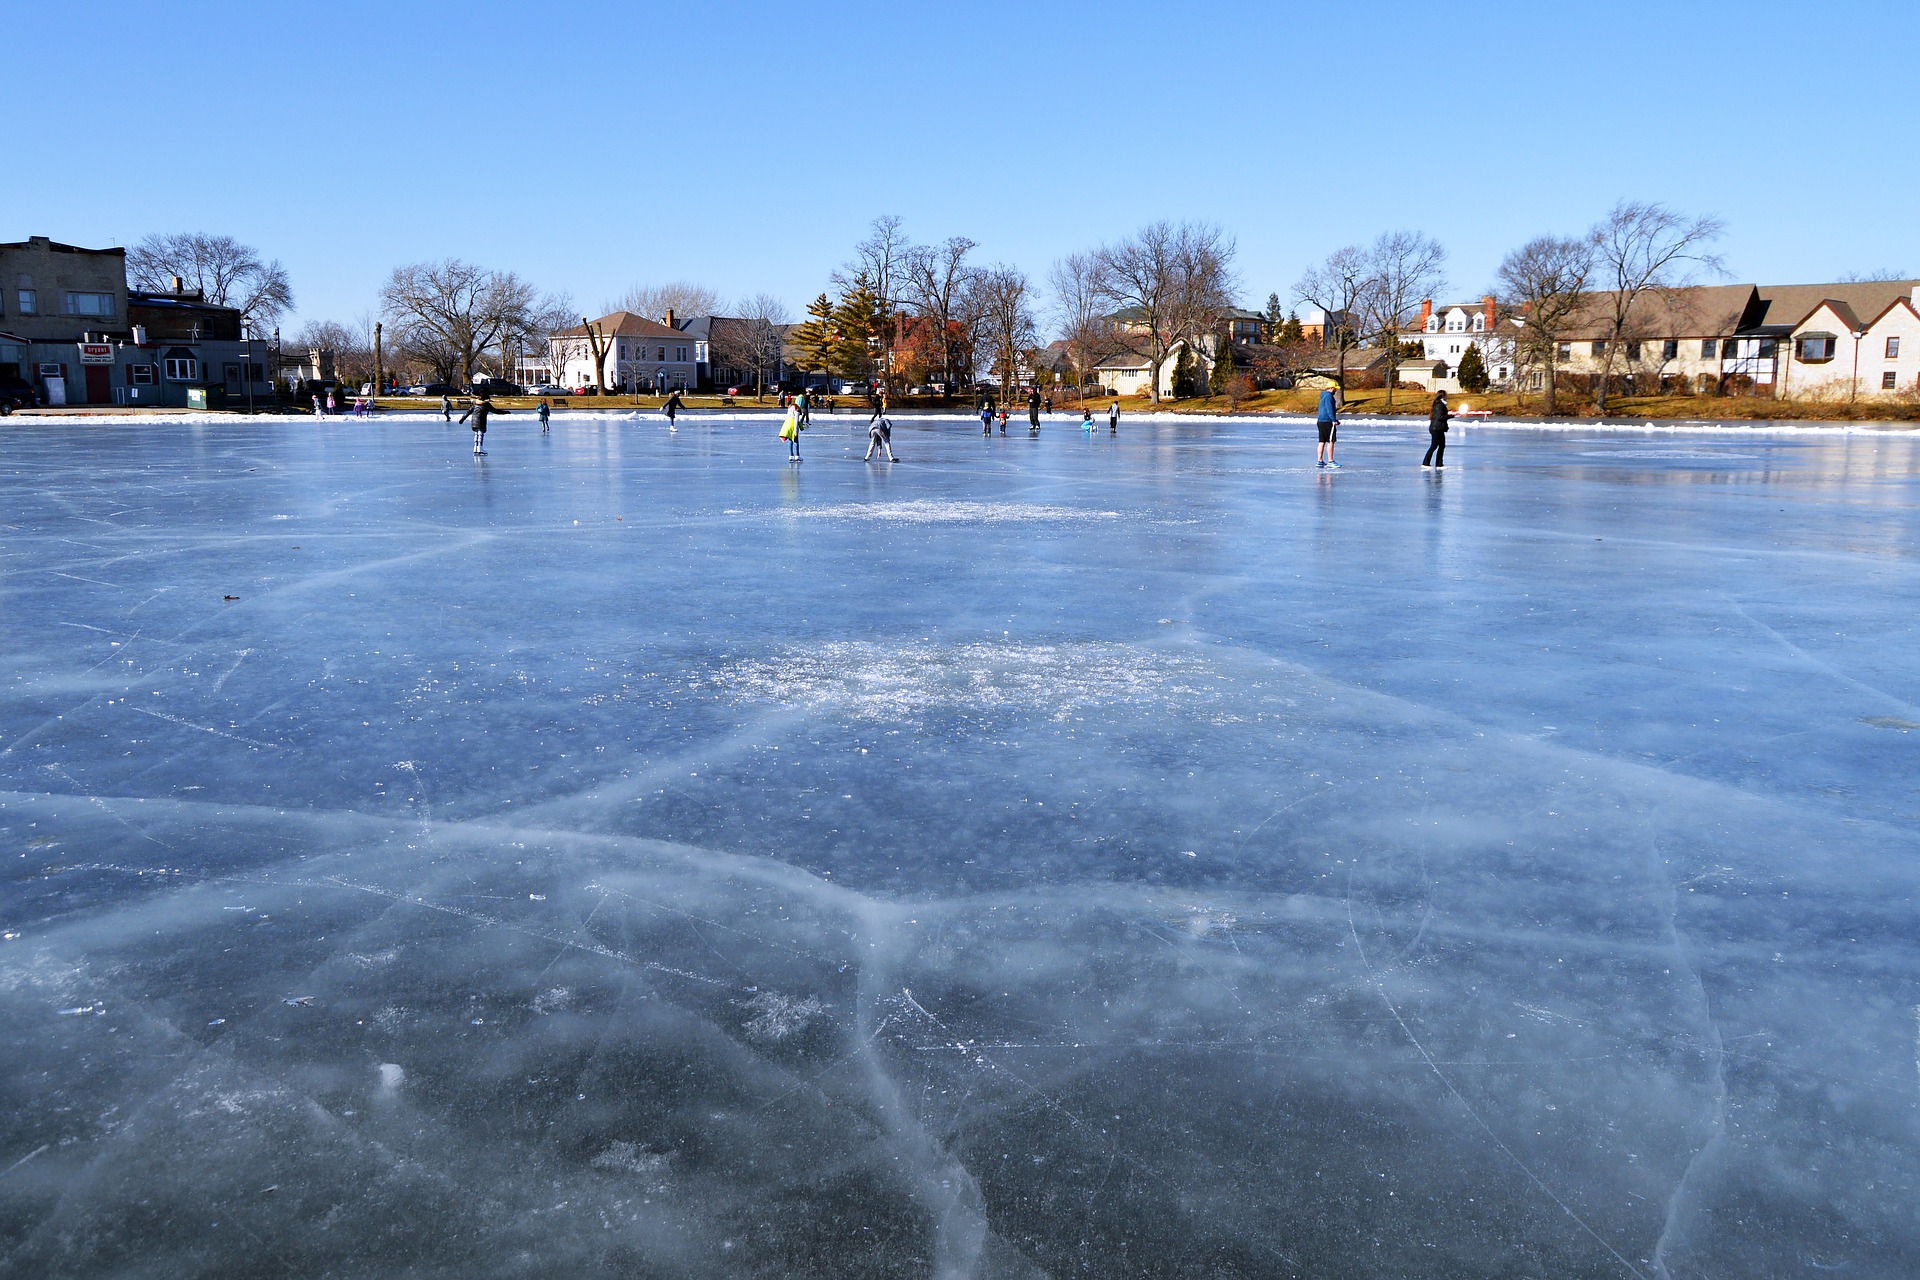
x=932, y=511
x=777, y=1017
x=903, y=681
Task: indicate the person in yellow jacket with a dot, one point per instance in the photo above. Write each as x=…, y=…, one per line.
x=790, y=430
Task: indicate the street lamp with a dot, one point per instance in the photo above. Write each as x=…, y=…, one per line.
x=246, y=336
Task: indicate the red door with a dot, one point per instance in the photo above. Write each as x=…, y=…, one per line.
x=98, y=392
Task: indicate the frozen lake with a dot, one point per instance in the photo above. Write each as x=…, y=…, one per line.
x=629, y=854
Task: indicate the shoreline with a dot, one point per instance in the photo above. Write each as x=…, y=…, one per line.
x=1059, y=422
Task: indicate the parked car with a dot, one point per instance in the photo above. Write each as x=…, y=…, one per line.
x=548, y=389
x=429, y=389
x=497, y=387
x=851, y=389
x=919, y=391
x=17, y=395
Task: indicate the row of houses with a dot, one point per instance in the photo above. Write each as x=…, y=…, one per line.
x=1842, y=340
x=72, y=330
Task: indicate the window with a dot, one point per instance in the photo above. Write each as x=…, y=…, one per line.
x=1501, y=373
x=182, y=370
x=662, y=355
x=1889, y=380
x=89, y=304
x=1709, y=348
x=1433, y=324
x=1633, y=351
x=1479, y=323
x=1893, y=348
x=680, y=354
x=1813, y=348
x=1599, y=350
x=1565, y=352
x=27, y=305
x=1670, y=349
x=140, y=375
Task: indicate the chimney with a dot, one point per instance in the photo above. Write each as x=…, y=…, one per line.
x=1916, y=297
x=1487, y=307
x=669, y=317
x=1426, y=311
x=179, y=285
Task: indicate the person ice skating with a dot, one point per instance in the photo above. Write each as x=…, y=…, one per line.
x=986, y=416
x=318, y=411
x=1113, y=418
x=1437, y=418
x=479, y=411
x=1003, y=421
x=790, y=432
x=804, y=402
x=880, y=436
x=672, y=406
x=546, y=412
x=1086, y=421
x=331, y=404
x=1328, y=420
x=1033, y=410
x=446, y=408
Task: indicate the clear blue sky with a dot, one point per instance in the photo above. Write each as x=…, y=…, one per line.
x=589, y=146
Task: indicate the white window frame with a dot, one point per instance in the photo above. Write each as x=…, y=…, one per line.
x=182, y=370
x=28, y=301
x=104, y=301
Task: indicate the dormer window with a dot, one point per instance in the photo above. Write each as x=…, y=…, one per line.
x=1479, y=323
x=1433, y=324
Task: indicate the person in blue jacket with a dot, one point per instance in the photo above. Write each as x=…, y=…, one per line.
x=1328, y=421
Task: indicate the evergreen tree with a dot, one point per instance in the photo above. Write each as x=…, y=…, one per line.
x=1222, y=370
x=856, y=319
x=1270, y=331
x=813, y=337
x=1182, y=374
x=1291, y=334
x=1473, y=370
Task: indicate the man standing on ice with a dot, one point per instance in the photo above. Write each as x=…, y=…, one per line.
x=479, y=411
x=1328, y=422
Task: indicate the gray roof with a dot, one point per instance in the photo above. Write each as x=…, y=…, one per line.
x=1859, y=302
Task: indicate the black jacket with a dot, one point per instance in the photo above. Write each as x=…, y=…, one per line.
x=1437, y=423
x=478, y=412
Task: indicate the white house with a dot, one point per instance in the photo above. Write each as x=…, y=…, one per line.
x=640, y=354
x=1837, y=353
x=1445, y=333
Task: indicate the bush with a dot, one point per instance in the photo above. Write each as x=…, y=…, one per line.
x=1473, y=370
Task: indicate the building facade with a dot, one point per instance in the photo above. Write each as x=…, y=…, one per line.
x=640, y=355
x=71, y=329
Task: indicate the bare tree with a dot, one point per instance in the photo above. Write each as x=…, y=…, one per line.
x=461, y=311
x=1543, y=284
x=1177, y=281
x=1403, y=268
x=882, y=262
x=936, y=279
x=226, y=272
x=1639, y=249
x=1875, y=276
x=1334, y=289
x=653, y=301
x=754, y=341
x=1002, y=301
x=1078, y=310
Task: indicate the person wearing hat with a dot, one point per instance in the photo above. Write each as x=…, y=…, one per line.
x=479, y=411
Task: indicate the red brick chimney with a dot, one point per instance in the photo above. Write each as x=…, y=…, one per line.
x=1426, y=311
x=1487, y=309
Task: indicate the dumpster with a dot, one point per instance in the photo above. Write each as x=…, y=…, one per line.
x=206, y=397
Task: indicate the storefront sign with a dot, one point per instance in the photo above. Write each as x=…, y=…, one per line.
x=96, y=353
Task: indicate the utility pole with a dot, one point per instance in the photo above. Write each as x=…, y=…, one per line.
x=377, y=379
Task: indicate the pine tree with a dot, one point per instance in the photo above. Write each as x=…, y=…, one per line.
x=1473, y=370
x=1291, y=334
x=1270, y=331
x=1182, y=374
x=856, y=318
x=1222, y=370
x=813, y=337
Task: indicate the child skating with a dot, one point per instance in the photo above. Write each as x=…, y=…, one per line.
x=790, y=432
x=479, y=412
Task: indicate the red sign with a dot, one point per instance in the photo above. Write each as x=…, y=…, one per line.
x=96, y=353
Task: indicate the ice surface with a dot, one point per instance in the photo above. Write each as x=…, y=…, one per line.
x=631, y=854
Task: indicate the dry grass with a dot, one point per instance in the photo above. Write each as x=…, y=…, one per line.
x=1413, y=402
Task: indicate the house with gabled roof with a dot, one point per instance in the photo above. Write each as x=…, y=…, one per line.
x=639, y=355
x=1836, y=351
